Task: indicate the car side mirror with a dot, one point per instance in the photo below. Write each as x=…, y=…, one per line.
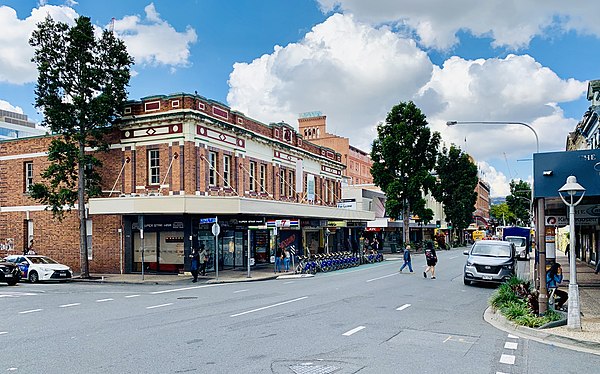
x=466, y=252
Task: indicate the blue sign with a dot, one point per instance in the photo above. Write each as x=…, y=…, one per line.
x=552, y=169
x=207, y=220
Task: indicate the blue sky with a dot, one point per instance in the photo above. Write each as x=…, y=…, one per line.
x=498, y=60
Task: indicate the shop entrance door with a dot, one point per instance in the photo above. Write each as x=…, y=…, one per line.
x=163, y=252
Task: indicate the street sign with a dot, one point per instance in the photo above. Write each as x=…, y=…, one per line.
x=208, y=220
x=216, y=229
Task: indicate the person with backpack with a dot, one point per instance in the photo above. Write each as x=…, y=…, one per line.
x=407, y=260
x=431, y=258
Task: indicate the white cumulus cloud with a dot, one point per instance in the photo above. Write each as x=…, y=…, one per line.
x=499, y=184
x=350, y=71
x=510, y=23
x=5, y=105
x=154, y=41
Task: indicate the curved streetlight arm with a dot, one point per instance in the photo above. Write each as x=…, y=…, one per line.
x=537, y=140
x=571, y=203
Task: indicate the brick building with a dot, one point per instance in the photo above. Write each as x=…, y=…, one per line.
x=177, y=164
x=313, y=127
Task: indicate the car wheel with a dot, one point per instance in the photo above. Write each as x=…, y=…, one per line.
x=12, y=282
x=34, y=277
x=466, y=282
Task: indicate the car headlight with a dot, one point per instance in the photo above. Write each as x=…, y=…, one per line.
x=509, y=267
x=469, y=263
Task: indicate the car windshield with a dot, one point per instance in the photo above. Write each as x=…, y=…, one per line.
x=42, y=260
x=491, y=250
x=519, y=242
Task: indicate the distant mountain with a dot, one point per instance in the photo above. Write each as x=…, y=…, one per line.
x=497, y=200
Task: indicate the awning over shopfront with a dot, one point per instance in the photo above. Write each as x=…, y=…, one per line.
x=213, y=205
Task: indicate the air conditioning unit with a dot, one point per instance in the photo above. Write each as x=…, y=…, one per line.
x=135, y=195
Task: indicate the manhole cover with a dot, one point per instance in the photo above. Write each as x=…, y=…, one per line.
x=187, y=297
x=310, y=368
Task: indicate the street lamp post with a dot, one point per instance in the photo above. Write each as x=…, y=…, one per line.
x=572, y=188
x=541, y=268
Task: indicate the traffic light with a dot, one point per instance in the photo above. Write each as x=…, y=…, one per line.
x=438, y=224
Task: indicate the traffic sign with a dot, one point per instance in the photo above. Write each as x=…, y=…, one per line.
x=216, y=229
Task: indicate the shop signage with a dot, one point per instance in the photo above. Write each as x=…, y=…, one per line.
x=372, y=229
x=336, y=224
x=557, y=221
x=284, y=223
x=347, y=204
x=247, y=221
x=208, y=220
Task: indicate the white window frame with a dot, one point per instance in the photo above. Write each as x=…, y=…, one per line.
x=227, y=171
x=28, y=169
x=153, y=167
x=262, y=176
x=290, y=191
x=212, y=172
x=282, y=182
x=252, y=176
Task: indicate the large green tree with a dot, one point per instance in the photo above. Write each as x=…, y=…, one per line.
x=81, y=88
x=502, y=214
x=404, y=153
x=519, y=201
x=455, y=189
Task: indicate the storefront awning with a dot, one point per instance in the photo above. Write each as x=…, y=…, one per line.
x=219, y=205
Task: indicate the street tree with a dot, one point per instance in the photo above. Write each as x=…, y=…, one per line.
x=455, y=188
x=404, y=153
x=518, y=201
x=502, y=214
x=81, y=88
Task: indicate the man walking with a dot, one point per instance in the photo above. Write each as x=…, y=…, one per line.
x=202, y=260
x=407, y=260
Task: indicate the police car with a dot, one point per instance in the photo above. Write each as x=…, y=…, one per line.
x=40, y=268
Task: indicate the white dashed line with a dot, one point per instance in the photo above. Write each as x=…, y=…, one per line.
x=288, y=282
x=30, y=311
x=354, y=330
x=403, y=307
x=186, y=288
x=385, y=276
x=511, y=345
x=3, y=332
x=507, y=359
x=452, y=258
x=499, y=372
x=130, y=296
x=103, y=300
x=68, y=305
x=513, y=336
x=238, y=291
x=268, y=306
x=158, y=306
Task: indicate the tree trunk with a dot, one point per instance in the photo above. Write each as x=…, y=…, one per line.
x=83, y=249
x=405, y=226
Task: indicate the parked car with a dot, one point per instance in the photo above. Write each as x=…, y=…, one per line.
x=9, y=272
x=492, y=261
x=40, y=268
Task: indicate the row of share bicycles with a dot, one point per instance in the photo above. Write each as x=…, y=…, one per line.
x=325, y=262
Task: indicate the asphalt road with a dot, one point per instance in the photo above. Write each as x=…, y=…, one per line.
x=369, y=319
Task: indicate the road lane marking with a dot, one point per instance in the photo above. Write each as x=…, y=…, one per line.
x=238, y=291
x=513, y=336
x=288, y=282
x=403, y=307
x=354, y=330
x=452, y=258
x=30, y=311
x=103, y=300
x=268, y=306
x=130, y=296
x=3, y=332
x=511, y=345
x=186, y=288
x=158, y=306
x=68, y=305
x=385, y=276
x=507, y=359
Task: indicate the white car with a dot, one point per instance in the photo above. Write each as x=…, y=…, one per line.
x=40, y=268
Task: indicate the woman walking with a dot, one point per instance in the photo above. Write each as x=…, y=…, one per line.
x=431, y=258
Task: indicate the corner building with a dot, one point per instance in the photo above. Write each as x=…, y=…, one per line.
x=179, y=164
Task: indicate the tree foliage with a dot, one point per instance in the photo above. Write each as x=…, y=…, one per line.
x=455, y=189
x=519, y=200
x=81, y=88
x=403, y=154
x=502, y=214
